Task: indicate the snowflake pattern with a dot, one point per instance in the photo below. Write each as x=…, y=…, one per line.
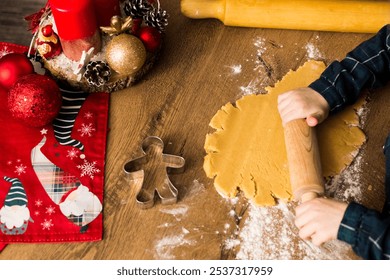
x=38, y=203
x=4, y=51
x=20, y=169
x=88, y=169
x=88, y=115
x=37, y=213
x=86, y=129
x=73, y=153
x=46, y=224
x=50, y=210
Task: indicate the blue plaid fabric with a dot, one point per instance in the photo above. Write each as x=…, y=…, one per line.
x=367, y=66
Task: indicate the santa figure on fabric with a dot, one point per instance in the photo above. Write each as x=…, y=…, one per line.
x=81, y=206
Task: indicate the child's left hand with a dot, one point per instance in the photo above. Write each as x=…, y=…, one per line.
x=319, y=219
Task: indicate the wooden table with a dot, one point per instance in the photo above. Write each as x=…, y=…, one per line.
x=204, y=65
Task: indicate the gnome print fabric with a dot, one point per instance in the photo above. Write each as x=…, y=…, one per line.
x=52, y=177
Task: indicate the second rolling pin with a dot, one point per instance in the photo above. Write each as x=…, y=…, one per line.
x=324, y=15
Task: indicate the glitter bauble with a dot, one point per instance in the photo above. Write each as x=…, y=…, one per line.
x=125, y=54
x=12, y=67
x=150, y=37
x=35, y=100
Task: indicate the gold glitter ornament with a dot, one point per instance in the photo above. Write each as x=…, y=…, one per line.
x=125, y=54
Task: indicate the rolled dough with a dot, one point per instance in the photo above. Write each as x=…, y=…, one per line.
x=246, y=152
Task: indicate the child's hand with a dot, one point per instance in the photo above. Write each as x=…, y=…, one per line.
x=319, y=219
x=303, y=103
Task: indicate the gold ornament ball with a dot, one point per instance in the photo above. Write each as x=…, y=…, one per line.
x=125, y=54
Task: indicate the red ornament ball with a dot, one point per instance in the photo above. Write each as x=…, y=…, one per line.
x=35, y=100
x=12, y=67
x=150, y=37
x=47, y=30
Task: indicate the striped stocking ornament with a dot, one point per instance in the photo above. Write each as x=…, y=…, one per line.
x=64, y=123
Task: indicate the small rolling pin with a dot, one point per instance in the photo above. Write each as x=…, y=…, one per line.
x=324, y=15
x=303, y=160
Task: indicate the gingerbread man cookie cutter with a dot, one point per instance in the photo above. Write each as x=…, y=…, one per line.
x=155, y=166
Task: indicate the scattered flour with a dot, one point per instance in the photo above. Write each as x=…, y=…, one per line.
x=260, y=44
x=251, y=88
x=231, y=243
x=177, y=212
x=269, y=233
x=196, y=188
x=313, y=52
x=347, y=186
x=165, y=246
x=260, y=68
x=235, y=69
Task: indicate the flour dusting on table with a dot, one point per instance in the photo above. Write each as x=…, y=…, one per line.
x=165, y=246
x=313, y=52
x=177, y=212
x=269, y=233
x=259, y=67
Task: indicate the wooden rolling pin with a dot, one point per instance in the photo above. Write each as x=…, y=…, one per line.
x=325, y=15
x=303, y=160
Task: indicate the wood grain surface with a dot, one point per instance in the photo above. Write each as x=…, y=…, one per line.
x=175, y=101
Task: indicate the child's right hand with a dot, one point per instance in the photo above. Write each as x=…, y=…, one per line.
x=303, y=103
x=319, y=219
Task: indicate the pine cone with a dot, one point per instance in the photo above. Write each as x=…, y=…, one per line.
x=97, y=73
x=137, y=8
x=157, y=18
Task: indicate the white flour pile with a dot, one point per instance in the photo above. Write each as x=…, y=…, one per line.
x=312, y=51
x=269, y=233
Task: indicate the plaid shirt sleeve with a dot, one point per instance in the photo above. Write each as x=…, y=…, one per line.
x=367, y=66
x=368, y=231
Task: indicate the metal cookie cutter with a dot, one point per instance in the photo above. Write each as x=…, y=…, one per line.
x=155, y=166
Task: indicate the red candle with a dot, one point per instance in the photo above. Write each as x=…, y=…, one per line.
x=77, y=26
x=105, y=10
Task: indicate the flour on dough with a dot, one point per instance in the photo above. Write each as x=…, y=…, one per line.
x=246, y=152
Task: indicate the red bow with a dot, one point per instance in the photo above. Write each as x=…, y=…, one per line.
x=35, y=19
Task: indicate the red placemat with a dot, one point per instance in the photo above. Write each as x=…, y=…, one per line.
x=52, y=178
